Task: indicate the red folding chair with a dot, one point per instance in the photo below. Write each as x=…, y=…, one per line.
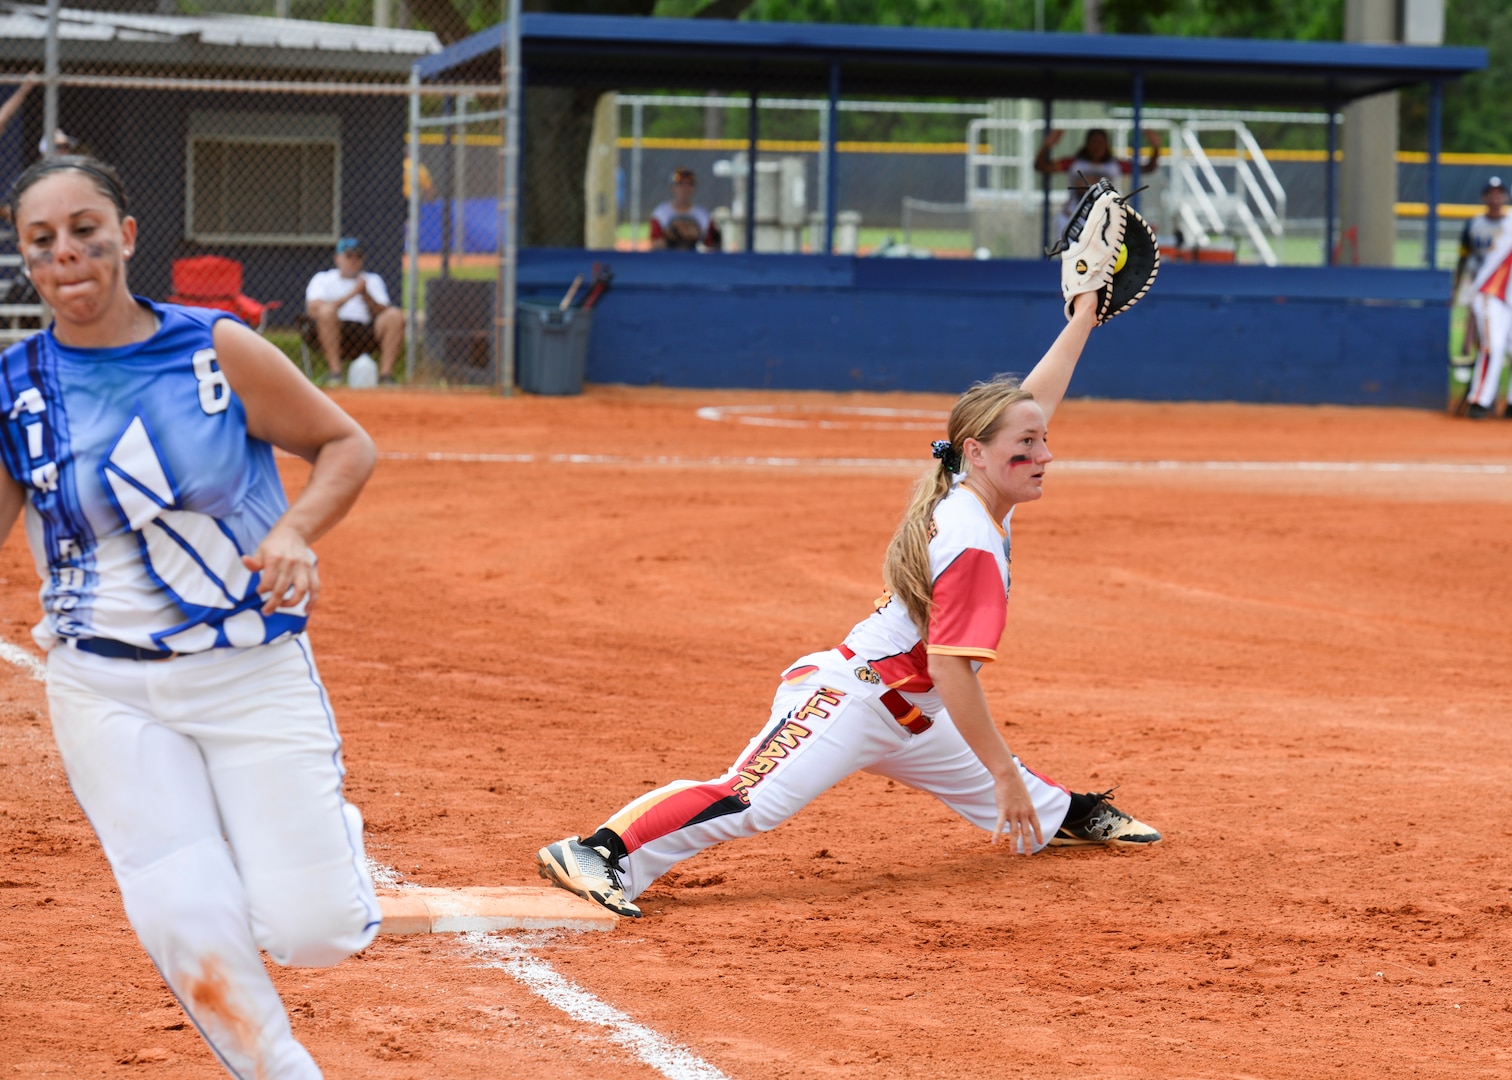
x=214, y=281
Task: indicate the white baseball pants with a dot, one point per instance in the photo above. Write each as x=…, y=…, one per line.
x=214, y=784
x=793, y=767
x=1496, y=328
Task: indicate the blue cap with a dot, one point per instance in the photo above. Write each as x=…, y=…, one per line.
x=349, y=244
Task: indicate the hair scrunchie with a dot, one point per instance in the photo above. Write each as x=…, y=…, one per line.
x=949, y=456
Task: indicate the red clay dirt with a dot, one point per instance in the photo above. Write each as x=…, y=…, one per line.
x=1299, y=676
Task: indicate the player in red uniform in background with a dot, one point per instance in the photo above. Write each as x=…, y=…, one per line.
x=899, y=697
x=680, y=224
x=1092, y=162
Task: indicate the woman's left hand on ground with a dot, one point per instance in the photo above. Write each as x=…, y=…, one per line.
x=1016, y=817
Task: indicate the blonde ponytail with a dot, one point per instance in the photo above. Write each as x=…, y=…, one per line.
x=977, y=414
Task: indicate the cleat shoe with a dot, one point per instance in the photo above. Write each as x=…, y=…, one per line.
x=587, y=871
x=1105, y=824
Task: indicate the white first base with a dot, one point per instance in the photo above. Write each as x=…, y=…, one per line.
x=507, y=907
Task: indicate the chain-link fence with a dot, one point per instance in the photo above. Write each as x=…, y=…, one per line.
x=942, y=178
x=267, y=165
x=452, y=280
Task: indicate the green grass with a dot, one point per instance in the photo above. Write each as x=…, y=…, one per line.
x=1295, y=250
x=287, y=342
x=1291, y=250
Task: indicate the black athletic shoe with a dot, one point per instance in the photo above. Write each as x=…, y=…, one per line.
x=1478, y=412
x=1105, y=824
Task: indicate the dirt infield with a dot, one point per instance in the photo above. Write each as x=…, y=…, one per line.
x=1300, y=675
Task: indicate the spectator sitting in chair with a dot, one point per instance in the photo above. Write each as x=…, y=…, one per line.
x=352, y=315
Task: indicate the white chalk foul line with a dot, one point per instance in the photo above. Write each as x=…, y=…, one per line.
x=871, y=418
x=540, y=978
x=676, y=461
x=24, y=660
x=920, y=463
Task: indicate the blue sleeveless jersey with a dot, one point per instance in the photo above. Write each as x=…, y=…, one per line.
x=144, y=489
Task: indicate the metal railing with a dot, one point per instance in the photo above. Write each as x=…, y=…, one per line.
x=1206, y=204
x=638, y=103
x=17, y=321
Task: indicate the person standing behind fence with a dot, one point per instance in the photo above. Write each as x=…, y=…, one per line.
x=1492, y=287
x=351, y=311
x=1476, y=239
x=680, y=224
x=177, y=580
x=1094, y=161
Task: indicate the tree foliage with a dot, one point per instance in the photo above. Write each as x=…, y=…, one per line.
x=955, y=14
x=1477, y=110
x=1298, y=20
x=1307, y=20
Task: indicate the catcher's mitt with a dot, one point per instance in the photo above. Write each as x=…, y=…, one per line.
x=1106, y=249
x=683, y=233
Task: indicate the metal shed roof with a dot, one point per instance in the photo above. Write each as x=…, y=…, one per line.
x=208, y=42
x=625, y=52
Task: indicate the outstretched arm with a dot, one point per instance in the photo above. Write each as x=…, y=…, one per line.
x=1154, y=158
x=12, y=103
x=1050, y=377
x=1042, y=162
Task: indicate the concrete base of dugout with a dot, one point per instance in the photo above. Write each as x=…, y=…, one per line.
x=1301, y=335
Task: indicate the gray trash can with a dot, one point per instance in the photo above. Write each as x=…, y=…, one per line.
x=553, y=347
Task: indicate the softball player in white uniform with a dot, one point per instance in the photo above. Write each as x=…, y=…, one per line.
x=1477, y=239
x=1492, y=287
x=899, y=697
x=176, y=581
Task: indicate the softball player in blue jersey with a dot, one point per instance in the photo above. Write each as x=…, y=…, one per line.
x=176, y=581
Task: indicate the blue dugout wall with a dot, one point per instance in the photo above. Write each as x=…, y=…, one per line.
x=1309, y=335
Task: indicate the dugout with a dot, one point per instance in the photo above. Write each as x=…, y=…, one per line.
x=1301, y=334
x=263, y=140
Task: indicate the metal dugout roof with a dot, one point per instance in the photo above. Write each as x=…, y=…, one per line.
x=220, y=43
x=626, y=52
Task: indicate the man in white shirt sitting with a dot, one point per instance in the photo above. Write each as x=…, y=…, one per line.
x=352, y=314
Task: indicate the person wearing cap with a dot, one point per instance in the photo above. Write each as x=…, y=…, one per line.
x=680, y=224
x=1491, y=289
x=352, y=314
x=1477, y=238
